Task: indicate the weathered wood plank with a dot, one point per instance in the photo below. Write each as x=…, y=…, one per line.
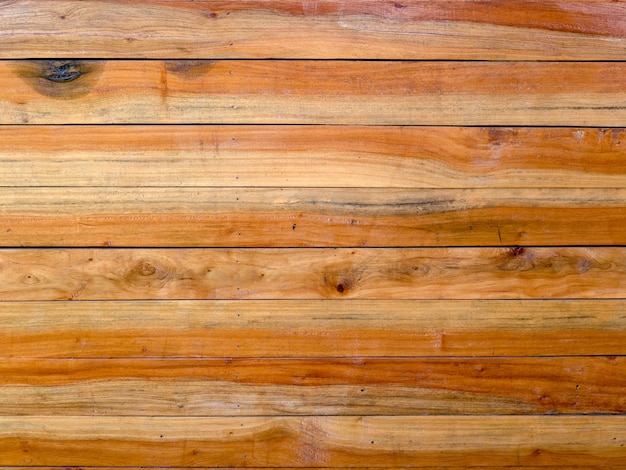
x=322, y=328
x=412, y=29
x=253, y=217
x=312, y=156
x=314, y=441
x=334, y=386
x=403, y=273
x=313, y=92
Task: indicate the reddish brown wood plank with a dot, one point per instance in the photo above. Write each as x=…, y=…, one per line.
x=333, y=386
x=411, y=29
x=313, y=92
x=403, y=273
x=382, y=441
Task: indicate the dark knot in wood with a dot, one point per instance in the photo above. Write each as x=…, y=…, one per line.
x=61, y=71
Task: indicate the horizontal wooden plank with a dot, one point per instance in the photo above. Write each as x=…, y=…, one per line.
x=312, y=92
x=561, y=467
x=403, y=273
x=312, y=156
x=253, y=217
x=415, y=29
x=314, y=441
x=346, y=386
x=516, y=467
x=322, y=328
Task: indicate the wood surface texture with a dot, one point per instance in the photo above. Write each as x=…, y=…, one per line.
x=308, y=217
x=331, y=386
x=312, y=156
x=314, y=441
x=314, y=273
x=368, y=234
x=312, y=92
x=314, y=328
x=327, y=29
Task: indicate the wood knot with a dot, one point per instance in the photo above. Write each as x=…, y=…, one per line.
x=146, y=269
x=60, y=78
x=61, y=71
x=340, y=283
x=517, y=251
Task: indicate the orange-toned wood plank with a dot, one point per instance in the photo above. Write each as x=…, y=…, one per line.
x=411, y=29
x=403, y=273
x=312, y=156
x=253, y=217
x=342, y=386
x=516, y=467
x=314, y=441
x=312, y=92
x=322, y=328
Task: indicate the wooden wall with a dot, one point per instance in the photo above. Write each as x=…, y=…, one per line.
x=276, y=233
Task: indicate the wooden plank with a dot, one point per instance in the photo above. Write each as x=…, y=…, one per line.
x=321, y=328
x=314, y=441
x=334, y=386
x=403, y=273
x=312, y=92
x=312, y=156
x=515, y=467
x=412, y=29
x=253, y=217
x=560, y=467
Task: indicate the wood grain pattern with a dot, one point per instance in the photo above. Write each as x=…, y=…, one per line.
x=312, y=156
x=313, y=92
x=429, y=273
x=334, y=386
x=514, y=467
x=351, y=328
x=314, y=441
x=412, y=29
x=252, y=217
